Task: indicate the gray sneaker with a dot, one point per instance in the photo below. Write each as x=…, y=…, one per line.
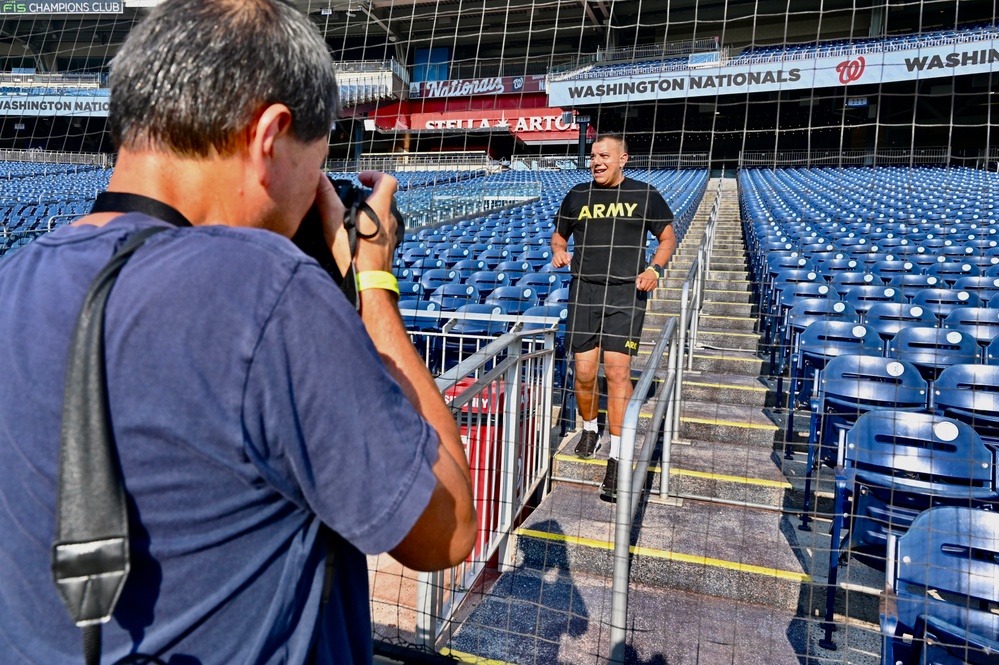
x=608, y=488
x=588, y=444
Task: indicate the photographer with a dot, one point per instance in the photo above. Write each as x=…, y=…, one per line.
x=250, y=402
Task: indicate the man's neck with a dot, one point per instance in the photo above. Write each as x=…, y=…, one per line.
x=205, y=191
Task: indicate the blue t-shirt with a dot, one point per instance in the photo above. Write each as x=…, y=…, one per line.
x=248, y=405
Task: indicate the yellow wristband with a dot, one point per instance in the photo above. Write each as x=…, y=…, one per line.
x=377, y=279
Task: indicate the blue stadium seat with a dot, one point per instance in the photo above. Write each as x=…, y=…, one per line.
x=970, y=393
x=486, y=281
x=542, y=282
x=513, y=299
x=863, y=297
x=433, y=278
x=943, y=301
x=819, y=342
x=942, y=577
x=848, y=387
x=452, y=296
x=931, y=350
x=514, y=269
x=889, y=318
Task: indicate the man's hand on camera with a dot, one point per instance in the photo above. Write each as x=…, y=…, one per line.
x=373, y=253
x=377, y=253
x=331, y=211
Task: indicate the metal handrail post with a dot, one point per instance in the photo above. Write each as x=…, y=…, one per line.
x=426, y=604
x=669, y=426
x=626, y=500
x=681, y=346
x=663, y=404
x=511, y=442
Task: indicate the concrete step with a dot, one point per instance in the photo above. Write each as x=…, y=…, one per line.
x=560, y=615
x=710, y=308
x=675, y=281
x=727, y=388
x=726, y=471
x=721, y=339
x=712, y=295
x=731, y=423
x=708, y=361
x=701, y=548
x=744, y=323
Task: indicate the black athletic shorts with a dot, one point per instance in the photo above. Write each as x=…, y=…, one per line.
x=609, y=316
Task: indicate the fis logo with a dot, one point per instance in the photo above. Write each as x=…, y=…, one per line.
x=15, y=8
x=602, y=210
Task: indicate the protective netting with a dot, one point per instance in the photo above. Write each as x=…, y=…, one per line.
x=831, y=460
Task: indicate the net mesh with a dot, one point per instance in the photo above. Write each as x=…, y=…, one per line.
x=840, y=155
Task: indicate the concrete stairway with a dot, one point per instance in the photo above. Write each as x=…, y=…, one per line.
x=720, y=578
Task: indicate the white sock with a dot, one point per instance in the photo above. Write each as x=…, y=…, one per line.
x=590, y=425
x=615, y=451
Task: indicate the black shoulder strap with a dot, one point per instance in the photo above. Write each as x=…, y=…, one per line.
x=125, y=202
x=90, y=556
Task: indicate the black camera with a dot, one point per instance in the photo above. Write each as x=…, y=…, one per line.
x=310, y=238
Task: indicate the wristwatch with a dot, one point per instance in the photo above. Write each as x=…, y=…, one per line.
x=655, y=268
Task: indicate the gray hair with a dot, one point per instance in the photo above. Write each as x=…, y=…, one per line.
x=195, y=73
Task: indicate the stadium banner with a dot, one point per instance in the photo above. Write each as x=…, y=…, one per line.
x=498, y=85
x=77, y=106
x=978, y=57
x=540, y=126
x=44, y=8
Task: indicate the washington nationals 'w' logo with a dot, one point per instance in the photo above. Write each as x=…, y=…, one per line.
x=851, y=70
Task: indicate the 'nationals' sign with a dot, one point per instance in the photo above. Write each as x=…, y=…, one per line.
x=505, y=85
x=976, y=57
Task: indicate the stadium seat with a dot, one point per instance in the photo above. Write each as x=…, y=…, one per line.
x=464, y=335
x=942, y=578
x=979, y=322
x=486, y=281
x=889, y=318
x=466, y=267
x=433, y=278
x=949, y=272
x=894, y=466
x=513, y=299
x=453, y=295
x=931, y=350
x=558, y=296
x=543, y=283
x=514, y=269
x=943, y=301
x=862, y=297
x=848, y=387
x=818, y=343
x=970, y=393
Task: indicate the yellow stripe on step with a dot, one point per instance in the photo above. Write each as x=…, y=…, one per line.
x=761, y=389
x=469, y=658
x=783, y=484
x=671, y=556
x=729, y=423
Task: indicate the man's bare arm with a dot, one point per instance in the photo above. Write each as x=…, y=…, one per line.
x=445, y=532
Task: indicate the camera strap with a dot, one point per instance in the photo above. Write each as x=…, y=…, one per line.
x=91, y=554
x=125, y=202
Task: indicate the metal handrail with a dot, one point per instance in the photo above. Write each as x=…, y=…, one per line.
x=523, y=375
x=631, y=479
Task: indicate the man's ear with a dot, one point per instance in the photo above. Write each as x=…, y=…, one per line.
x=273, y=123
x=624, y=158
